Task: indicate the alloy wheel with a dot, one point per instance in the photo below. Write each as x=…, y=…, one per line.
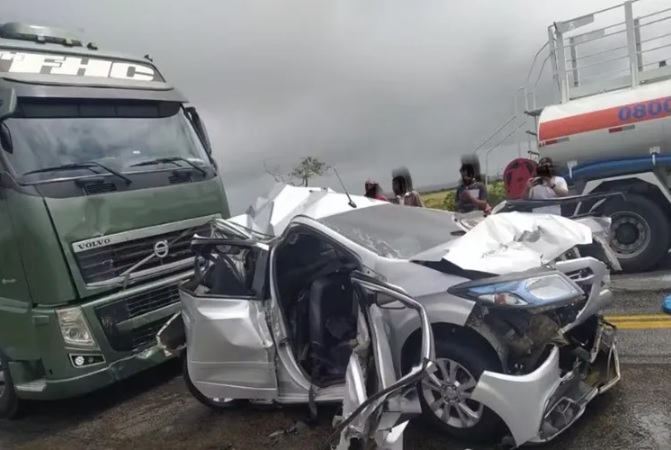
x=448, y=393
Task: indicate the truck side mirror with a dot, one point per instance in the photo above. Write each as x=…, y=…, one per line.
x=7, y=103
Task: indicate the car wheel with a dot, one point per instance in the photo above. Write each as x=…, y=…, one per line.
x=446, y=400
x=9, y=401
x=217, y=404
x=639, y=233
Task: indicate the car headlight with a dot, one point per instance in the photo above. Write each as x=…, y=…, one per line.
x=527, y=292
x=75, y=329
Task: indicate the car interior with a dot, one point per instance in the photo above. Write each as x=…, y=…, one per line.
x=230, y=272
x=318, y=303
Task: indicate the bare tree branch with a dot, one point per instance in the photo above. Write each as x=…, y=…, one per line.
x=275, y=172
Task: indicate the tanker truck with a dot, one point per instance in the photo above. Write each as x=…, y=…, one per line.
x=106, y=173
x=610, y=128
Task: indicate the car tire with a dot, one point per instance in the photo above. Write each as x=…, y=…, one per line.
x=639, y=215
x=9, y=401
x=489, y=428
x=213, y=404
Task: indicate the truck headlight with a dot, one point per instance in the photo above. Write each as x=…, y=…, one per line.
x=552, y=289
x=75, y=329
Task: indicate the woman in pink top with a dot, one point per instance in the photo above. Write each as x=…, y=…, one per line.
x=373, y=190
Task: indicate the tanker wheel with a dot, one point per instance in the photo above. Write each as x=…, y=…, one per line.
x=639, y=233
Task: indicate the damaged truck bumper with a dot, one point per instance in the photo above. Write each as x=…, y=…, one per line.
x=56, y=389
x=540, y=405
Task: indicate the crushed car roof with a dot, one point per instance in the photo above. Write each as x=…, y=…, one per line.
x=498, y=244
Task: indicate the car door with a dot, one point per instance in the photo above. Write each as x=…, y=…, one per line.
x=229, y=347
x=378, y=402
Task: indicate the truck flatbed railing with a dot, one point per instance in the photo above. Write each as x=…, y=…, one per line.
x=619, y=47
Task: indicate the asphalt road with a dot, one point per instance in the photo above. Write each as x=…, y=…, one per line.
x=154, y=411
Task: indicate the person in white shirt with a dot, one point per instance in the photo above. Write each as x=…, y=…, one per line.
x=546, y=184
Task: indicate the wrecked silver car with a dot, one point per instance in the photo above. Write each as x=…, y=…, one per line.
x=273, y=315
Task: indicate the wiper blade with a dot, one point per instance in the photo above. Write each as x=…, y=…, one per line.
x=172, y=159
x=85, y=165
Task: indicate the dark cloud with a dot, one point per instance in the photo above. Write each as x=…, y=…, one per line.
x=364, y=85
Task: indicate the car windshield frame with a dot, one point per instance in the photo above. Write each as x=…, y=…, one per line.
x=395, y=231
x=116, y=133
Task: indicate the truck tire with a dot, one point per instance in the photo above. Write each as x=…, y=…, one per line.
x=470, y=361
x=215, y=404
x=639, y=232
x=9, y=401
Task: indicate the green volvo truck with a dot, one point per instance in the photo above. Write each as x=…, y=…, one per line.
x=105, y=175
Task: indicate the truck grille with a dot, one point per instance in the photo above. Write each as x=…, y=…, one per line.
x=110, y=315
x=145, y=336
x=106, y=263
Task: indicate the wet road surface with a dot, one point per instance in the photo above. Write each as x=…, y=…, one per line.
x=154, y=410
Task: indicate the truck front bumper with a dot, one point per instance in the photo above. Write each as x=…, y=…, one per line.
x=56, y=389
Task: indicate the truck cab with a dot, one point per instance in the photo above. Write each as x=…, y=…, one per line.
x=106, y=174
x=607, y=129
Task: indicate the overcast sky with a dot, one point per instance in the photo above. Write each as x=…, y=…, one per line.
x=365, y=85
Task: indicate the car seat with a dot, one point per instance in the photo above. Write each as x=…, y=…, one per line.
x=332, y=325
x=225, y=279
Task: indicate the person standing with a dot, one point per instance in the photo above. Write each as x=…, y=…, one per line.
x=546, y=185
x=401, y=183
x=471, y=193
x=373, y=190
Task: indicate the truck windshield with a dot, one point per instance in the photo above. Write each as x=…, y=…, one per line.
x=126, y=137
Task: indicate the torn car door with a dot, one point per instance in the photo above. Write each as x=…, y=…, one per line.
x=378, y=401
x=230, y=349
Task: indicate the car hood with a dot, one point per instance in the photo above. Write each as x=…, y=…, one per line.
x=514, y=241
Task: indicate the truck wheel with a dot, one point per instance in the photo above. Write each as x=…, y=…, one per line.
x=9, y=401
x=212, y=403
x=639, y=233
x=449, y=407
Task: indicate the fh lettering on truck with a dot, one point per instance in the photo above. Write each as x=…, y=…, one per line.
x=54, y=64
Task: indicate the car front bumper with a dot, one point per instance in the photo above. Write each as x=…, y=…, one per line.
x=540, y=405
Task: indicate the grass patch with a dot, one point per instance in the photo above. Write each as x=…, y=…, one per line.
x=446, y=200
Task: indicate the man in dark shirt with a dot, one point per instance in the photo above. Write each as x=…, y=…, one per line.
x=471, y=194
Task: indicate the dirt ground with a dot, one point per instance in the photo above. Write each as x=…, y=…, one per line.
x=154, y=411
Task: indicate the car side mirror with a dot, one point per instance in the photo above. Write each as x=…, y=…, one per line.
x=7, y=103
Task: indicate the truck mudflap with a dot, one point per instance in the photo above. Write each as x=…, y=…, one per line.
x=171, y=338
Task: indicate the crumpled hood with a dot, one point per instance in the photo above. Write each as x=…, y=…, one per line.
x=515, y=242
